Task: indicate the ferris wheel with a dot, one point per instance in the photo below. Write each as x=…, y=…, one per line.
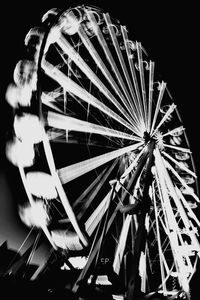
x=104, y=157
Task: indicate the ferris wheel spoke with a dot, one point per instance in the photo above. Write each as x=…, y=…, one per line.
x=136, y=96
x=96, y=186
x=50, y=101
x=71, y=172
x=75, y=89
x=181, y=166
x=161, y=256
x=93, y=220
x=120, y=57
x=142, y=81
x=167, y=208
x=172, y=226
x=189, y=209
x=150, y=95
x=100, y=64
x=98, y=243
x=175, y=131
x=126, y=100
x=96, y=216
x=160, y=97
x=128, y=224
x=164, y=240
x=178, y=148
x=23, y=177
x=182, y=181
x=179, y=247
x=165, y=117
x=67, y=48
x=68, y=123
x=60, y=190
x=121, y=245
x=54, y=134
x=178, y=203
x=163, y=224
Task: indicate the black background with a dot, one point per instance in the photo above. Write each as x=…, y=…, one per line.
x=168, y=32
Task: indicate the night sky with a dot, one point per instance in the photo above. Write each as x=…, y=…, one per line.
x=167, y=31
